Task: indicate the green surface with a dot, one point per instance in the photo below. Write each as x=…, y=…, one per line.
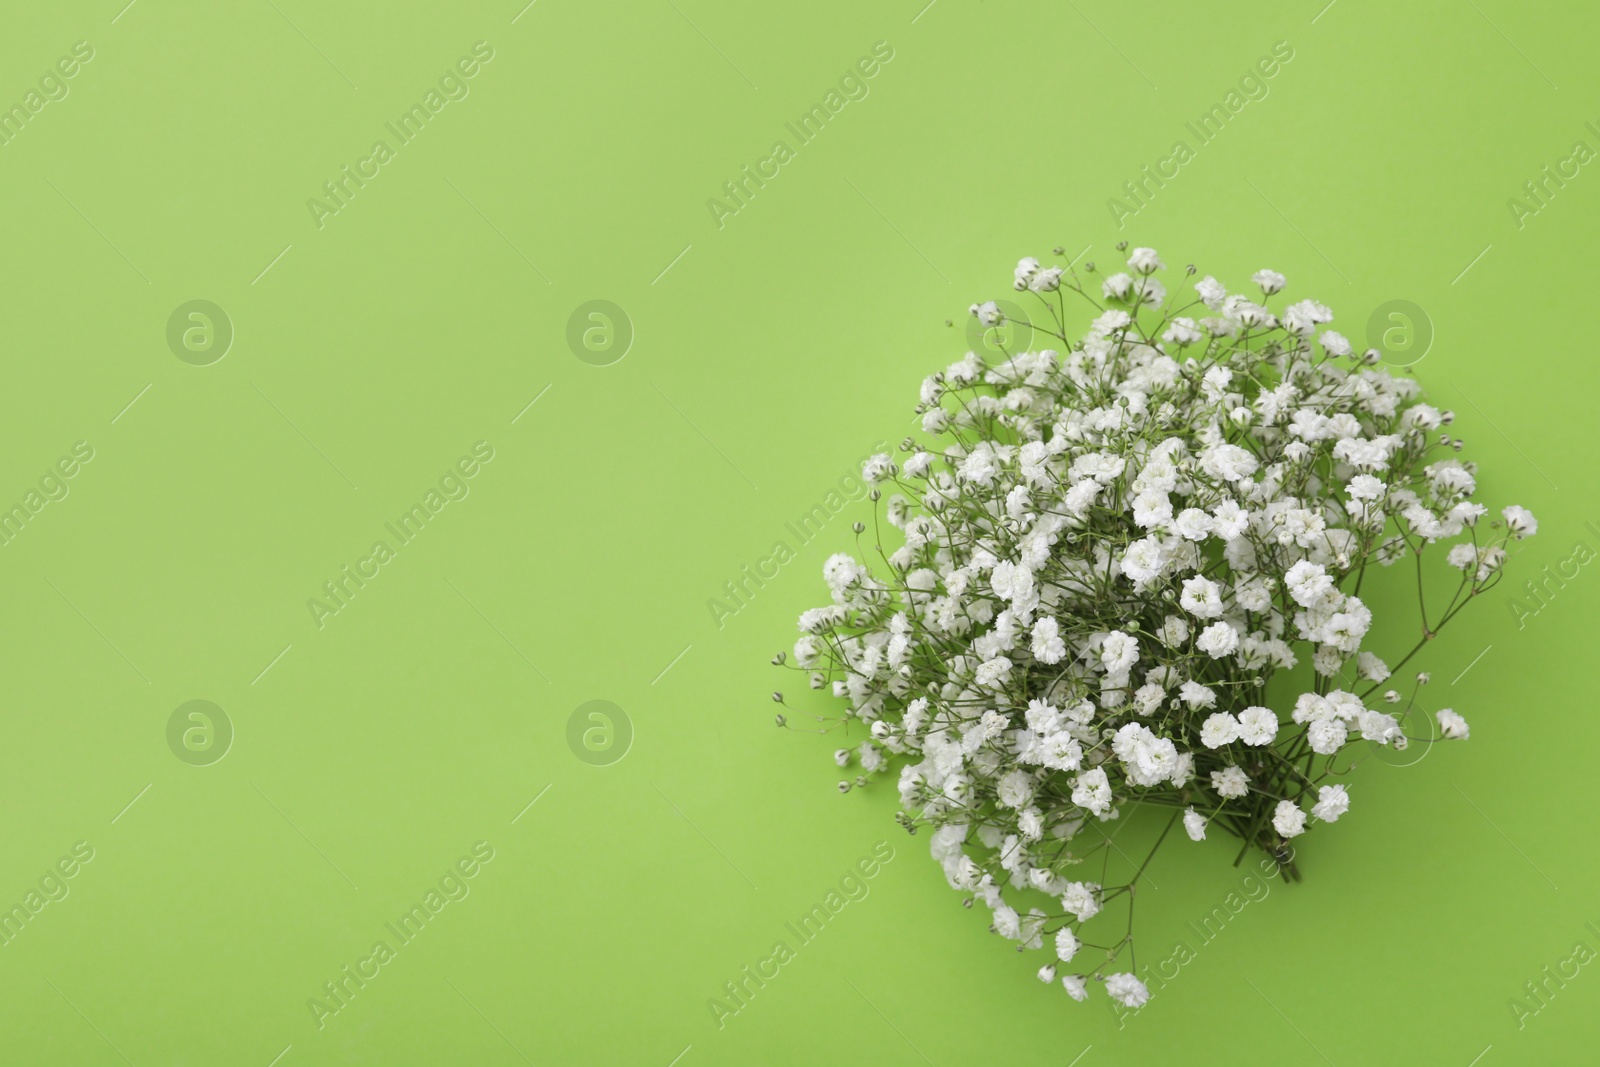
x=381, y=752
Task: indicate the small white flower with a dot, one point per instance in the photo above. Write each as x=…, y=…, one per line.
x=1194, y=824
x=1076, y=986
x=1047, y=974
x=1332, y=802
x=1092, y=790
x=1231, y=519
x=1218, y=730
x=1145, y=260
x=1305, y=316
x=1066, y=945
x=1127, y=990
x=1520, y=521
x=1288, y=819
x=1218, y=640
x=1181, y=332
x=1228, y=462
x=1193, y=524
x=1117, y=286
x=877, y=468
x=987, y=313
x=1335, y=343
x=1269, y=280
x=1082, y=899
x=1364, y=487
x=992, y=673
x=1174, y=631
x=1048, y=647
x=1110, y=322
x=1371, y=667
x=1201, y=598
x=1119, y=652
x=1308, y=583
x=1452, y=725
x=1230, y=782
x=1015, y=789
x=1257, y=726
x=1027, y=267
x=1326, y=736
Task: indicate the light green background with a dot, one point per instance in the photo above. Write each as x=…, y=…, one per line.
x=772, y=354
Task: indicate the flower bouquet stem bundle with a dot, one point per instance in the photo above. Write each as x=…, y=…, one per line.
x=1080, y=584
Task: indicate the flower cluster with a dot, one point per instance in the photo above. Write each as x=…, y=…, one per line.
x=1111, y=549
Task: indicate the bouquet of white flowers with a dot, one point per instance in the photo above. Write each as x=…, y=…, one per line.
x=1118, y=545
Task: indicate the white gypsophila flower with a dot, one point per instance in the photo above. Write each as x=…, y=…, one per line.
x=1127, y=990
x=1520, y=521
x=1092, y=790
x=1201, y=598
x=1082, y=899
x=1371, y=667
x=1119, y=652
x=1230, y=782
x=1219, y=730
x=1145, y=260
x=1066, y=944
x=1099, y=556
x=1270, y=281
x=1288, y=819
x=1027, y=267
x=1182, y=332
x=1332, y=802
x=877, y=468
x=1335, y=343
x=1117, y=287
x=1326, y=736
x=1228, y=462
x=1257, y=726
x=1218, y=640
x=1048, y=647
